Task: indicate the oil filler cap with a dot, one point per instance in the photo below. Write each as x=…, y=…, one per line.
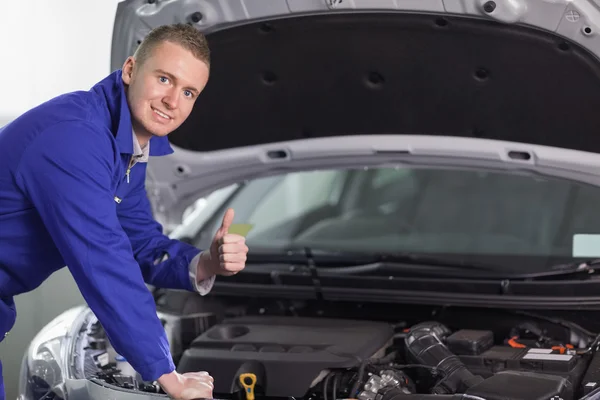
x=248, y=381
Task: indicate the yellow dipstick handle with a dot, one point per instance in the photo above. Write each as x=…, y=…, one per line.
x=248, y=381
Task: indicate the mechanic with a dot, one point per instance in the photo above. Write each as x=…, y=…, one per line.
x=72, y=174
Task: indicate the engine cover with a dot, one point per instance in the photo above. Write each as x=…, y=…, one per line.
x=285, y=353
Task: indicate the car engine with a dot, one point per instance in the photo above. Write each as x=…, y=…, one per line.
x=315, y=357
x=287, y=355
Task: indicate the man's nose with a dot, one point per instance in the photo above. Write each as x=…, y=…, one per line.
x=171, y=100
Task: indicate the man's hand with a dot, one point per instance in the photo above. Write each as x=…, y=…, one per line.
x=227, y=255
x=192, y=385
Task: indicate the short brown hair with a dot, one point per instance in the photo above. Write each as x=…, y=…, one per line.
x=184, y=35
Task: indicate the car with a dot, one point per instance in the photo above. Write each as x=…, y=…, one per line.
x=418, y=183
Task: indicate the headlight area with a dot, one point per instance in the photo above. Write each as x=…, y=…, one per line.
x=71, y=358
x=50, y=360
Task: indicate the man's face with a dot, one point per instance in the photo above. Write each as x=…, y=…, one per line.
x=161, y=92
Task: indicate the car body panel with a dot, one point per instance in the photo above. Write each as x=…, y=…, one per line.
x=136, y=18
x=451, y=93
x=177, y=180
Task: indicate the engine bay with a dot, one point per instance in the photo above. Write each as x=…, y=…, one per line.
x=266, y=351
x=274, y=349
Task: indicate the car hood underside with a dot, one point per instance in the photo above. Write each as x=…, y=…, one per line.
x=374, y=72
x=323, y=77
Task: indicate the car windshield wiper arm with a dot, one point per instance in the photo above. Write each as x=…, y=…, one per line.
x=418, y=259
x=363, y=262
x=490, y=271
x=580, y=267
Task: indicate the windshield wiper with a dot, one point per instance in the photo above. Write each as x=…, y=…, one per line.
x=351, y=263
x=481, y=270
x=419, y=259
x=587, y=267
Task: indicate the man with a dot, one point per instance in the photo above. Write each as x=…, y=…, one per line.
x=72, y=174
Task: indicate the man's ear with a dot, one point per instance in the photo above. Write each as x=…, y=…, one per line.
x=127, y=70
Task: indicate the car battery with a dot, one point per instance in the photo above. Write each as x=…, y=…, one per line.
x=544, y=361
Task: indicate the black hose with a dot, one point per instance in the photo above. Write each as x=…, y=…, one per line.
x=326, y=386
x=591, y=347
x=424, y=344
x=387, y=359
x=335, y=383
x=434, y=371
x=359, y=378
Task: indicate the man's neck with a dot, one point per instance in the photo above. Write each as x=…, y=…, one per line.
x=142, y=139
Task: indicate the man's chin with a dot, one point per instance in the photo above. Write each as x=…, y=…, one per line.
x=160, y=133
x=154, y=131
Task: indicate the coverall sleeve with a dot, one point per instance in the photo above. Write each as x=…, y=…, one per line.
x=67, y=173
x=165, y=262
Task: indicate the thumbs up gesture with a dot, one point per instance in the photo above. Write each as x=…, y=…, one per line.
x=227, y=255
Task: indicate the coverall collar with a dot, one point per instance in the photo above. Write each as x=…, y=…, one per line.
x=140, y=153
x=116, y=99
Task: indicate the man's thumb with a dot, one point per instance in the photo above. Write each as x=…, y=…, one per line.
x=227, y=221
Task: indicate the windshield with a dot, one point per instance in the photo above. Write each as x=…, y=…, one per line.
x=506, y=219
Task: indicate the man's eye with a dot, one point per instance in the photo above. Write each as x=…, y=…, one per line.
x=189, y=94
x=164, y=79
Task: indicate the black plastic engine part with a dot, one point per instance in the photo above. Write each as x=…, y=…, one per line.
x=286, y=353
x=516, y=385
x=542, y=361
x=183, y=329
x=470, y=342
x=397, y=394
x=424, y=345
x=507, y=385
x=591, y=379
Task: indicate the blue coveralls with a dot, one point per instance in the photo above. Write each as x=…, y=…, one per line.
x=61, y=166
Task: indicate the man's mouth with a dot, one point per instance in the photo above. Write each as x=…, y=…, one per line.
x=161, y=114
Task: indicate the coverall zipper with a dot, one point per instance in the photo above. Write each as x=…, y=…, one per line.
x=131, y=164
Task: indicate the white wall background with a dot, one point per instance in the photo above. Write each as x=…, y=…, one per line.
x=47, y=47
x=51, y=46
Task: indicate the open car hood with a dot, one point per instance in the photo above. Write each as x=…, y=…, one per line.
x=315, y=83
